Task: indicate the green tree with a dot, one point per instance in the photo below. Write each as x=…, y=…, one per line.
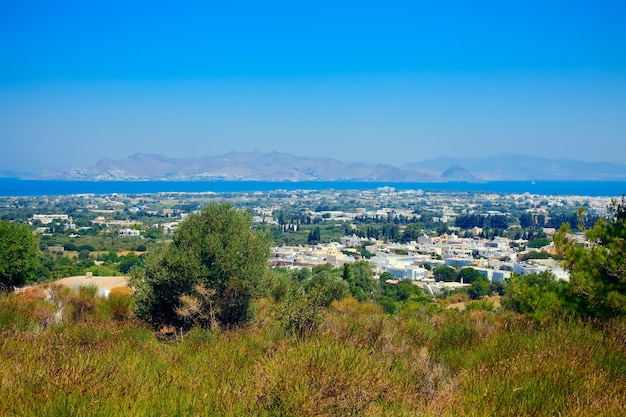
x=314, y=236
x=469, y=275
x=326, y=285
x=539, y=296
x=406, y=290
x=598, y=270
x=127, y=262
x=18, y=255
x=216, y=249
x=359, y=275
x=539, y=242
x=411, y=233
x=480, y=288
x=526, y=220
x=444, y=273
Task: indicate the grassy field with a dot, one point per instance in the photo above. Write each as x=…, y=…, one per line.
x=94, y=359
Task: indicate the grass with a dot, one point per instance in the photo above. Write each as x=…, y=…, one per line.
x=99, y=361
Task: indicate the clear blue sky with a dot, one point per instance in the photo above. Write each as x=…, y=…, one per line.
x=391, y=82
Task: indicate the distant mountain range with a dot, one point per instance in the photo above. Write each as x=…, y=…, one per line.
x=524, y=167
x=278, y=166
x=256, y=166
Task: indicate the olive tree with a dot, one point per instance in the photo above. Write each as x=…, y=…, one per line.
x=217, y=250
x=18, y=254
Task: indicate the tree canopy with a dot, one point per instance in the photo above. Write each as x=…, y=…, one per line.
x=539, y=296
x=18, y=254
x=215, y=250
x=597, y=269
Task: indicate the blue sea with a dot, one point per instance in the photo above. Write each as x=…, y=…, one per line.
x=17, y=187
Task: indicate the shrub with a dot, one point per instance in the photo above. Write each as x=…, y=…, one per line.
x=119, y=303
x=77, y=304
x=483, y=305
x=216, y=248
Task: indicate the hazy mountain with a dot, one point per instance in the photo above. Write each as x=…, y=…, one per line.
x=457, y=173
x=524, y=167
x=278, y=166
x=274, y=166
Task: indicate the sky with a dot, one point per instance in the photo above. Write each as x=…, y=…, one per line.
x=386, y=82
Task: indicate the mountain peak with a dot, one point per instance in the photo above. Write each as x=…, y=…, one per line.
x=457, y=173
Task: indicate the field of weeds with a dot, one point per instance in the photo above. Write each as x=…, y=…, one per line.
x=92, y=358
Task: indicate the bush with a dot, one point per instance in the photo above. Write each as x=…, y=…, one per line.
x=483, y=305
x=21, y=313
x=77, y=304
x=118, y=305
x=539, y=296
x=216, y=248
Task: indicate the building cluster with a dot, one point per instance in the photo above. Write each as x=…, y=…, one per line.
x=497, y=259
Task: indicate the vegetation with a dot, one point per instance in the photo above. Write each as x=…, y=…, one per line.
x=598, y=273
x=216, y=250
x=209, y=330
x=358, y=361
x=18, y=255
x=539, y=296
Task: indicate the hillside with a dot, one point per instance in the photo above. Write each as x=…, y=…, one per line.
x=362, y=362
x=274, y=166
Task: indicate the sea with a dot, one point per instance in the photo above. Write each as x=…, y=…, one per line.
x=18, y=187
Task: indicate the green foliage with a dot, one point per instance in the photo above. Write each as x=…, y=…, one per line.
x=597, y=272
x=278, y=282
x=129, y=261
x=18, y=255
x=402, y=296
x=77, y=304
x=306, y=302
x=535, y=255
x=364, y=252
x=480, y=288
x=302, y=312
x=325, y=286
x=498, y=287
x=539, y=243
x=539, y=296
x=359, y=275
x=102, y=271
x=216, y=248
x=411, y=233
x=483, y=305
x=314, y=236
x=118, y=306
x=469, y=275
x=456, y=335
x=305, y=306
x=444, y=273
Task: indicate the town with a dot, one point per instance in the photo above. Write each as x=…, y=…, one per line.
x=421, y=236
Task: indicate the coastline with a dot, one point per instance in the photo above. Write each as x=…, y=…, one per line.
x=32, y=188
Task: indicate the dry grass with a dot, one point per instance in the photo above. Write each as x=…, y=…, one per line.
x=105, y=283
x=359, y=362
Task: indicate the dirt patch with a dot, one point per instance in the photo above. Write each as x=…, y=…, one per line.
x=126, y=252
x=106, y=283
